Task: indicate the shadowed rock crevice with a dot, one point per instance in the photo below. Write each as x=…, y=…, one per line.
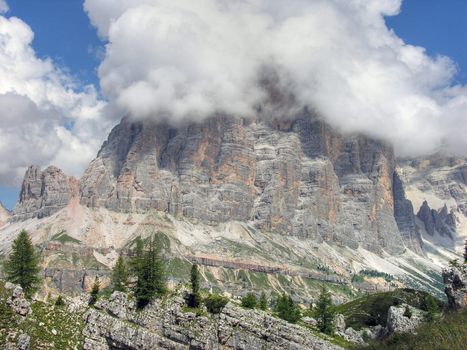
x=404, y=215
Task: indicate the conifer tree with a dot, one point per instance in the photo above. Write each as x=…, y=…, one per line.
x=59, y=301
x=22, y=266
x=137, y=256
x=431, y=307
x=249, y=301
x=194, y=299
x=287, y=309
x=119, y=277
x=95, y=291
x=263, y=301
x=325, y=312
x=150, y=276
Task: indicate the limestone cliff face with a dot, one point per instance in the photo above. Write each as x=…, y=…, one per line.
x=437, y=179
x=437, y=187
x=297, y=177
x=44, y=192
x=4, y=215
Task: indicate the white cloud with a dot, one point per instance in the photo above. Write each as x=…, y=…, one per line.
x=45, y=118
x=188, y=59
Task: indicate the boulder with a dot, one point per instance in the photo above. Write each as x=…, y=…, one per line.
x=18, y=302
x=309, y=321
x=403, y=318
x=351, y=335
x=24, y=341
x=339, y=323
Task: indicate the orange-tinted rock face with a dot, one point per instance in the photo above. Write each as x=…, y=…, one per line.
x=296, y=177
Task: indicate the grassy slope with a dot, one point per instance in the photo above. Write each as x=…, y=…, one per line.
x=449, y=333
x=40, y=325
x=372, y=309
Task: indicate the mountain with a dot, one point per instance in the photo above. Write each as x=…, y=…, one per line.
x=4, y=215
x=44, y=193
x=296, y=178
x=437, y=187
x=259, y=203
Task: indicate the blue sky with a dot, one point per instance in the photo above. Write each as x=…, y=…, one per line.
x=63, y=33
x=437, y=25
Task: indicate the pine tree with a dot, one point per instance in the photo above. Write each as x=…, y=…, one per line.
x=263, y=301
x=215, y=303
x=119, y=277
x=325, y=313
x=431, y=307
x=150, y=276
x=194, y=299
x=287, y=309
x=95, y=291
x=249, y=301
x=59, y=301
x=22, y=266
x=137, y=256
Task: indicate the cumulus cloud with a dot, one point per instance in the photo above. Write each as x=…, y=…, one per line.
x=45, y=117
x=189, y=59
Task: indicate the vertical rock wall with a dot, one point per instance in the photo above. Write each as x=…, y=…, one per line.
x=296, y=177
x=44, y=192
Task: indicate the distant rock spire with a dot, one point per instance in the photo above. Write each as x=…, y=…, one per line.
x=44, y=193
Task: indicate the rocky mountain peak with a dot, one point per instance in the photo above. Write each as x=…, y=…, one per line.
x=439, y=221
x=295, y=177
x=4, y=215
x=44, y=192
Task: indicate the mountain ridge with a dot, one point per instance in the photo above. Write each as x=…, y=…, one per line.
x=282, y=195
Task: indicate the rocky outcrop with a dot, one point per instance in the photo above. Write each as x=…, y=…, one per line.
x=24, y=341
x=437, y=221
x=455, y=281
x=17, y=301
x=4, y=215
x=44, y=192
x=296, y=177
x=73, y=280
x=115, y=324
x=403, y=319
